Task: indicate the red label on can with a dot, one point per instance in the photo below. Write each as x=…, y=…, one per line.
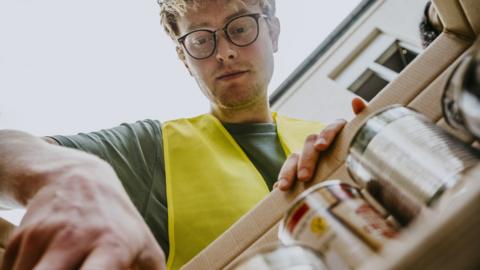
x=297, y=215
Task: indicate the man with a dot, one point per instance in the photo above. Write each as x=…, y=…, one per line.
x=188, y=179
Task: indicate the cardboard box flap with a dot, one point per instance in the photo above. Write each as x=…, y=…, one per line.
x=472, y=12
x=433, y=93
x=453, y=18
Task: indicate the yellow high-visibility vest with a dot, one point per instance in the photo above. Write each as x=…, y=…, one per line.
x=210, y=181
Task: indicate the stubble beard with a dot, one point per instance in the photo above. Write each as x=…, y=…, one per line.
x=240, y=99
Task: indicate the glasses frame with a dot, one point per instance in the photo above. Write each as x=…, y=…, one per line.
x=256, y=16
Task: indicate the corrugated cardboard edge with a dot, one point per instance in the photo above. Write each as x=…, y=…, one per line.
x=416, y=77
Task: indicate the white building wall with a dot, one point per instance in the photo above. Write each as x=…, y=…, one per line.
x=318, y=97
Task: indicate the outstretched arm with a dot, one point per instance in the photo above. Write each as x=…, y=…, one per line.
x=78, y=217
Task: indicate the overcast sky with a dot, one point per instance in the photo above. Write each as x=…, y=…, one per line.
x=77, y=66
x=72, y=66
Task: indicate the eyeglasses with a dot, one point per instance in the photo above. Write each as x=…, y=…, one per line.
x=240, y=31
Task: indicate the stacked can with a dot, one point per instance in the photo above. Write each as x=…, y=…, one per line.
x=276, y=257
x=400, y=152
x=334, y=219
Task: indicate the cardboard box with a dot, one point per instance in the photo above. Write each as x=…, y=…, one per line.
x=453, y=17
x=472, y=12
x=420, y=86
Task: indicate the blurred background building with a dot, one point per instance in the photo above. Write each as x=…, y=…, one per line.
x=360, y=57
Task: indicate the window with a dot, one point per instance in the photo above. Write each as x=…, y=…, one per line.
x=368, y=85
x=376, y=65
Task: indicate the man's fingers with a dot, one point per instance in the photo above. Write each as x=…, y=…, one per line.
x=288, y=172
x=151, y=259
x=60, y=259
x=308, y=159
x=328, y=134
x=66, y=250
x=32, y=246
x=314, y=144
x=358, y=105
x=11, y=251
x=106, y=257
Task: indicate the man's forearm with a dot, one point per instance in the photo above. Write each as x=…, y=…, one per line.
x=75, y=200
x=28, y=163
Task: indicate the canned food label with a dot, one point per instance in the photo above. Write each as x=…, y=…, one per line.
x=350, y=228
x=335, y=220
x=297, y=215
x=318, y=229
x=365, y=221
x=319, y=226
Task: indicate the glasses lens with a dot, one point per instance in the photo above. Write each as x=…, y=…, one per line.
x=243, y=31
x=200, y=44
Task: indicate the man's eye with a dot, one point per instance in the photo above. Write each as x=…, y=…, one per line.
x=200, y=41
x=239, y=30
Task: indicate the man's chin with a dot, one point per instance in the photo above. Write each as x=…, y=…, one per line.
x=236, y=98
x=237, y=103
x=237, y=106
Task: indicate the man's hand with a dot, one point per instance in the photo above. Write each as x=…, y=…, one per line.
x=78, y=223
x=79, y=216
x=302, y=166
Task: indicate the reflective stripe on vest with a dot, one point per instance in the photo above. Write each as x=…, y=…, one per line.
x=210, y=181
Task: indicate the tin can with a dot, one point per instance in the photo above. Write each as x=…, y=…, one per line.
x=409, y=153
x=278, y=257
x=333, y=218
x=461, y=96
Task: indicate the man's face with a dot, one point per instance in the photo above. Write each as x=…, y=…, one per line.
x=232, y=77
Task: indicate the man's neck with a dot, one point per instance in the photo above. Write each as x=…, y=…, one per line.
x=257, y=115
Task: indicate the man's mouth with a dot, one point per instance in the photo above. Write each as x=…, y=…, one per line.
x=232, y=75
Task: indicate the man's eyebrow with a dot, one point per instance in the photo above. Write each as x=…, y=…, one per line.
x=196, y=26
x=239, y=12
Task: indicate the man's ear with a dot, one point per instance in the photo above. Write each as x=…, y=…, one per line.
x=181, y=56
x=274, y=26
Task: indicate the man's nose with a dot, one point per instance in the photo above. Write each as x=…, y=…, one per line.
x=225, y=49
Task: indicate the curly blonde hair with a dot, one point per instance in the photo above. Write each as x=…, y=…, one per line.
x=171, y=9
